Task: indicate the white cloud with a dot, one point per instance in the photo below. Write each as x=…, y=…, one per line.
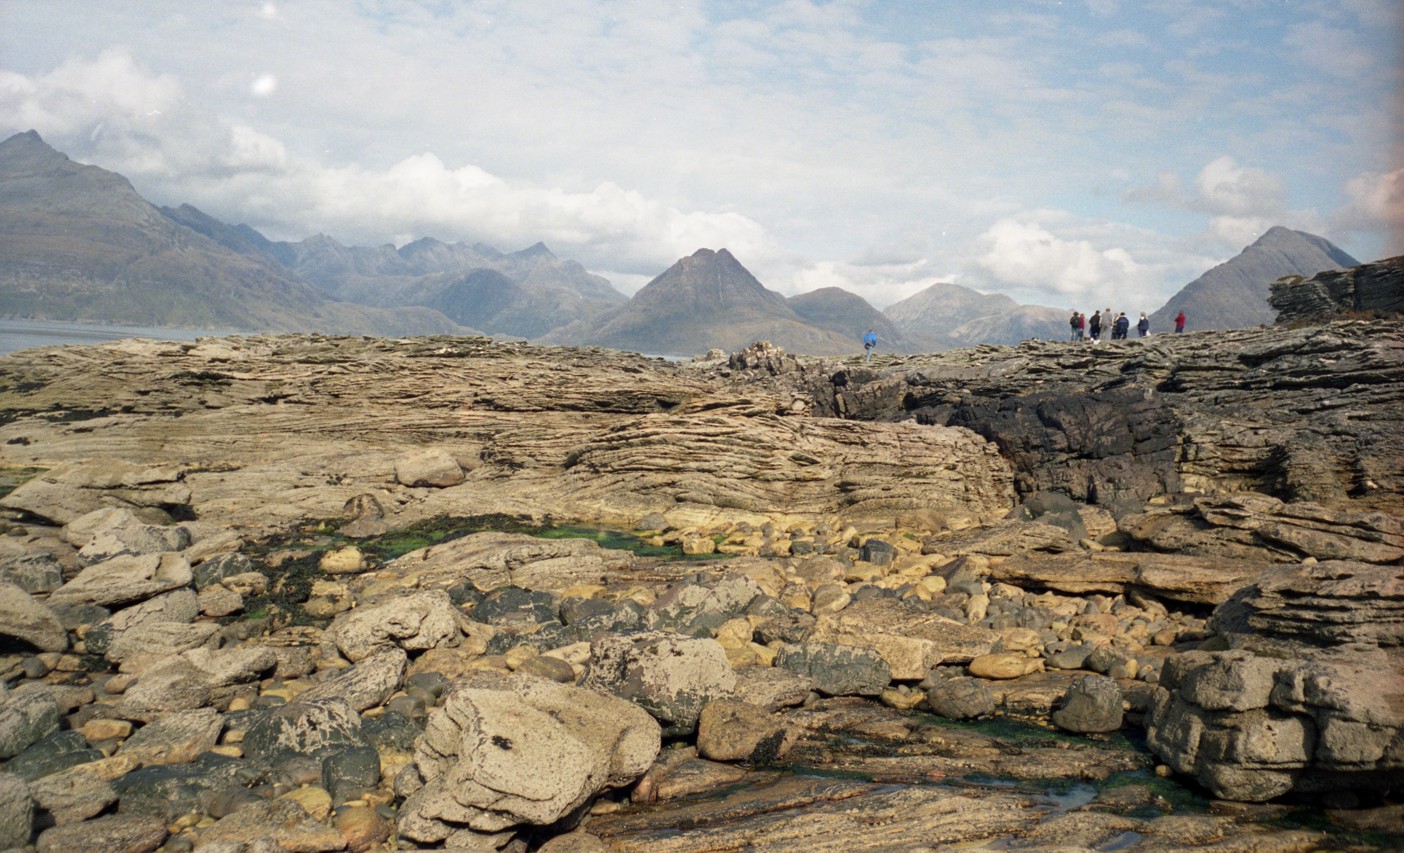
x=1226, y=188
x=1376, y=201
x=1025, y=254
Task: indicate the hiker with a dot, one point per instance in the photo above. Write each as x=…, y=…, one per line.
x=1180, y=322
x=869, y=341
x=1075, y=326
x=1094, y=325
x=1143, y=325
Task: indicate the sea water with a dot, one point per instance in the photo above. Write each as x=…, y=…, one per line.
x=25, y=334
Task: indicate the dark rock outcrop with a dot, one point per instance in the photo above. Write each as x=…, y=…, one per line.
x=1376, y=288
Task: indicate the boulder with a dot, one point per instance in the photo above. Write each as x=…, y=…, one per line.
x=174, y=738
x=24, y=719
x=670, y=676
x=413, y=621
x=728, y=730
x=367, y=683
x=128, y=833
x=25, y=619
x=432, y=467
x=909, y=639
x=836, y=670
x=960, y=698
x=509, y=750
x=125, y=580
x=16, y=811
x=1092, y=704
x=1308, y=699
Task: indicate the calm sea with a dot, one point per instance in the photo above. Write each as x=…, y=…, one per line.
x=24, y=334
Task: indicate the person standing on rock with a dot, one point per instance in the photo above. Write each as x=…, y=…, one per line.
x=1123, y=326
x=1143, y=325
x=1094, y=326
x=1180, y=322
x=1075, y=326
x=869, y=341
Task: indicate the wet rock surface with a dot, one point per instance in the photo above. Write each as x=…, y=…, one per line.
x=279, y=593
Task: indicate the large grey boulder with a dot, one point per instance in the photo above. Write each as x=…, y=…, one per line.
x=960, y=698
x=509, y=750
x=125, y=580
x=668, y=675
x=837, y=670
x=365, y=684
x=304, y=728
x=118, y=533
x=16, y=811
x=23, y=618
x=1092, y=704
x=24, y=719
x=414, y=621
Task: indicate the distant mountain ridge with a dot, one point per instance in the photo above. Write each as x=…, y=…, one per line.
x=1234, y=294
x=78, y=243
x=948, y=316
x=706, y=300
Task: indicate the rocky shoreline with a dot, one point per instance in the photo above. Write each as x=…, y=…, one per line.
x=271, y=593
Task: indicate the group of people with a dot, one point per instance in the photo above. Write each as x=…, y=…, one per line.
x=1117, y=326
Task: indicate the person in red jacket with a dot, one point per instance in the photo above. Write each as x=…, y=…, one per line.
x=1180, y=322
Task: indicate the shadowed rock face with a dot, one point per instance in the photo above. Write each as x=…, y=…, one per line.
x=1377, y=287
x=1301, y=414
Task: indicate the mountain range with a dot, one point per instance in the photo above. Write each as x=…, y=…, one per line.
x=78, y=243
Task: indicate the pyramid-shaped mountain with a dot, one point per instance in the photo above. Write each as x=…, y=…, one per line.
x=704, y=301
x=78, y=243
x=1234, y=294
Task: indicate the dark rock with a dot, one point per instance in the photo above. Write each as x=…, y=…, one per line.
x=348, y=773
x=216, y=569
x=391, y=730
x=25, y=718
x=304, y=728
x=168, y=791
x=670, y=676
x=878, y=552
x=837, y=670
x=511, y=606
x=56, y=752
x=118, y=833
x=1092, y=704
x=960, y=698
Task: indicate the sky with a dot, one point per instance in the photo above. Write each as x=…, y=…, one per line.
x=1070, y=154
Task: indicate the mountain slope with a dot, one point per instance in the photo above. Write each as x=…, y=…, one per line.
x=78, y=243
x=946, y=316
x=1234, y=294
x=850, y=315
x=703, y=301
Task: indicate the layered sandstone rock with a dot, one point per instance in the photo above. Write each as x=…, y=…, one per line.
x=1310, y=697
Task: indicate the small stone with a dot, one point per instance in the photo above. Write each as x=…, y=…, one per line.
x=313, y=799
x=551, y=668
x=1004, y=665
x=343, y=561
x=99, y=730
x=362, y=828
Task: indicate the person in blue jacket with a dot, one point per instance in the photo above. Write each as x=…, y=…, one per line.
x=869, y=341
